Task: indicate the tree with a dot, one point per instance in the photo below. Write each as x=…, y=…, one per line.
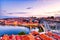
x=52, y=17
x=21, y=33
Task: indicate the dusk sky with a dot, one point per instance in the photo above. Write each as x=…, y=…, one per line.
x=22, y=8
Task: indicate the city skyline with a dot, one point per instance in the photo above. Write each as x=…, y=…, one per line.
x=22, y=8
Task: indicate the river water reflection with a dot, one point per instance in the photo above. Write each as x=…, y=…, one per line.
x=13, y=30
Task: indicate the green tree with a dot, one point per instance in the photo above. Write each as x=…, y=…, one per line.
x=21, y=33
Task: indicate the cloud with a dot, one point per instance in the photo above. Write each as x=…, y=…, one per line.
x=17, y=14
x=40, y=8
x=29, y=8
